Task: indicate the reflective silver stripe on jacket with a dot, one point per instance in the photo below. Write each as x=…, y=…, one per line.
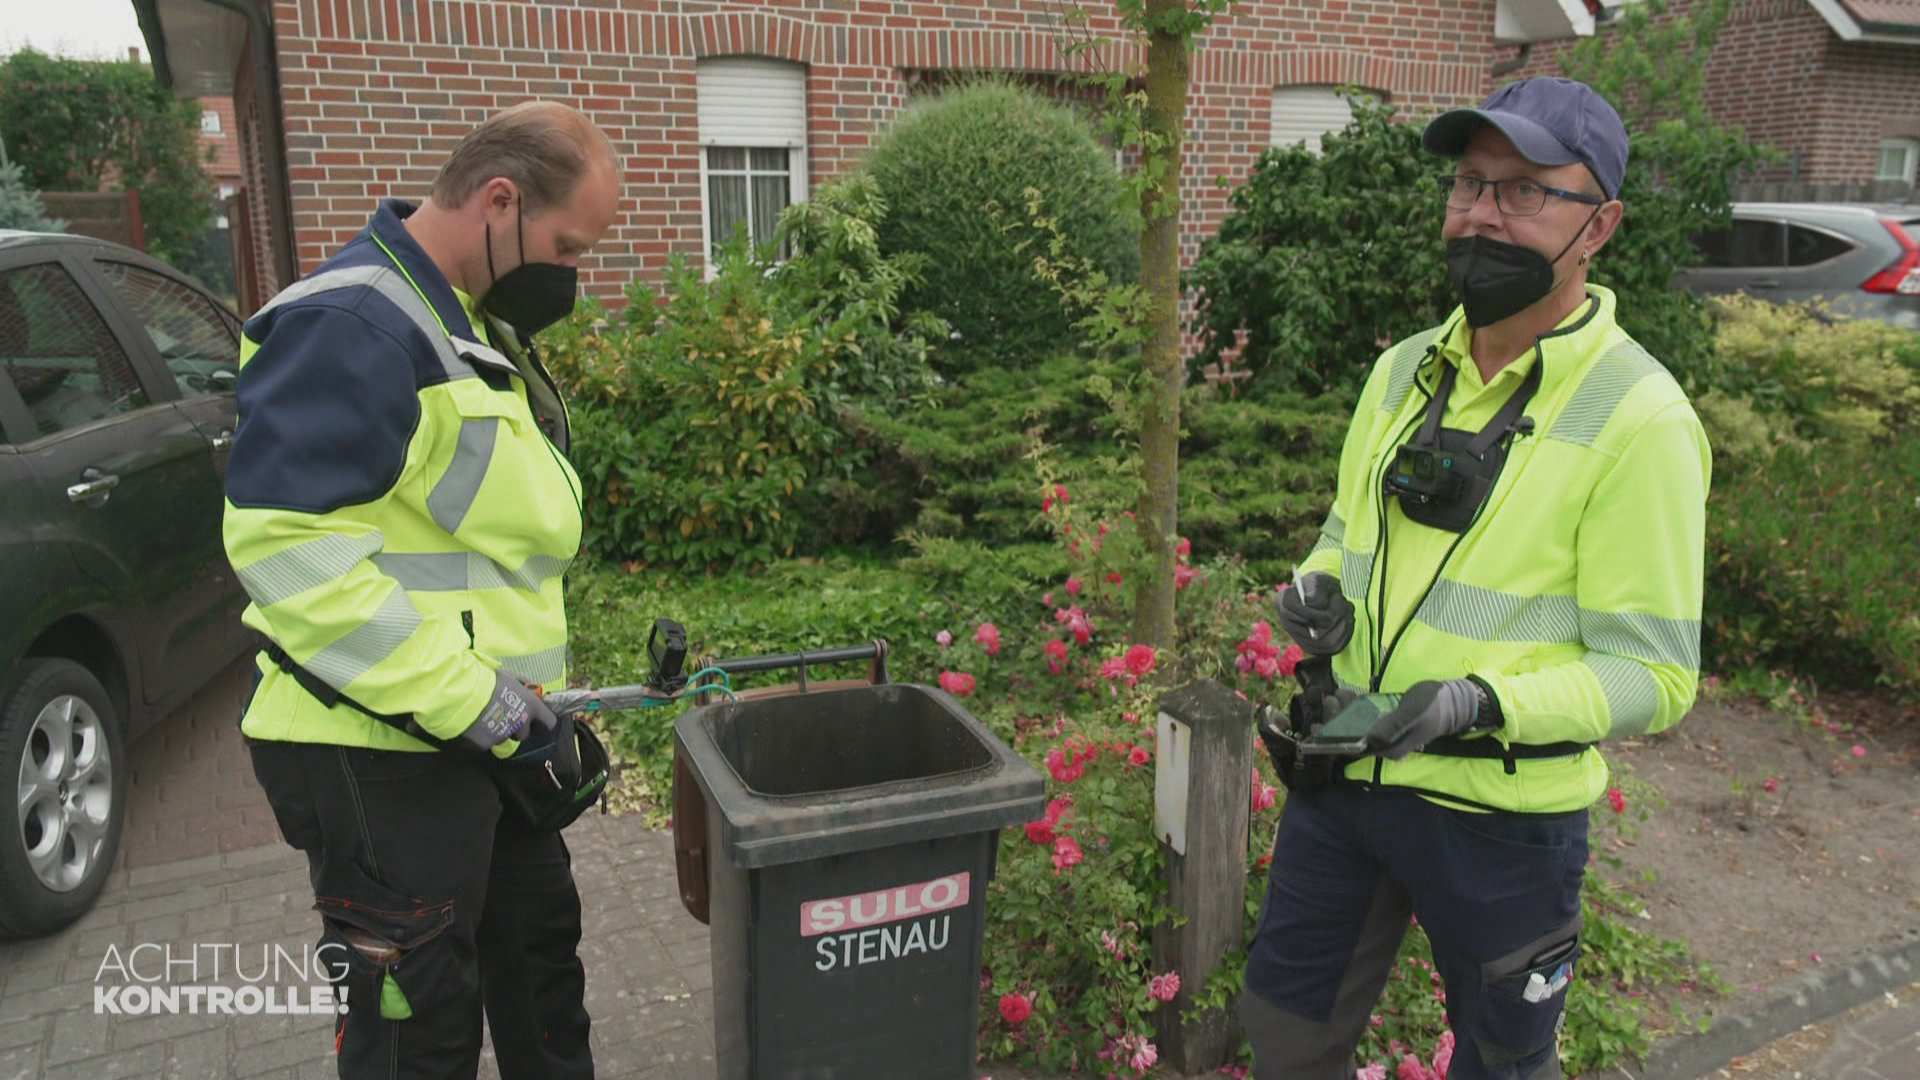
x=464, y=571
x=388, y=282
x=1601, y=392
x=306, y=566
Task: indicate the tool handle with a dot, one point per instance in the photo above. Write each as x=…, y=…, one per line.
x=741, y=665
x=605, y=699
x=642, y=695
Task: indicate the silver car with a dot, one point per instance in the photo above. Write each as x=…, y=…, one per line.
x=1861, y=260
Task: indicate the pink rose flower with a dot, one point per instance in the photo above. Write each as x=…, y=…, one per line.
x=1140, y=659
x=988, y=635
x=1066, y=852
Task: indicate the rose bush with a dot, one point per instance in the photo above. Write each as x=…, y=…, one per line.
x=1069, y=976
x=1070, y=981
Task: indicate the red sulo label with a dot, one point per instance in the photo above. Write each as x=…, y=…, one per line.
x=883, y=906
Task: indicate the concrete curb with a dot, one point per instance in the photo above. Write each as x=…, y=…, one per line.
x=1816, y=996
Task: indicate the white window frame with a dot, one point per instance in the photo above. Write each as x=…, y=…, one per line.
x=210, y=122
x=1911, y=149
x=1314, y=91
x=782, y=128
x=796, y=184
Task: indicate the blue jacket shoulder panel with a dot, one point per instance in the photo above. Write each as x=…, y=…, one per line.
x=328, y=404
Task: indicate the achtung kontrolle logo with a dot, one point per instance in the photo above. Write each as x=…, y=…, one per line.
x=220, y=977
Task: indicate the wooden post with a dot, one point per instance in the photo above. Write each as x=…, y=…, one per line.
x=1202, y=806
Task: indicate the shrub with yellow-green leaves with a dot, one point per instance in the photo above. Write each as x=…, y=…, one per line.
x=1824, y=379
x=704, y=432
x=1813, y=528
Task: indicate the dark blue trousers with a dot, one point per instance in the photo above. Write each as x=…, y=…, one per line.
x=1498, y=895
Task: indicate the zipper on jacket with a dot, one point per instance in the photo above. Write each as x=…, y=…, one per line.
x=1377, y=566
x=1385, y=658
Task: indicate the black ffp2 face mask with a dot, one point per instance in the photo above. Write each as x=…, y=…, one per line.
x=1497, y=280
x=532, y=296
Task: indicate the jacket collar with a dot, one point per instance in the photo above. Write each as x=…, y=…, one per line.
x=389, y=229
x=1564, y=350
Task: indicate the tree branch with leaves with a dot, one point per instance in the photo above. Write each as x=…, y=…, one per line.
x=86, y=125
x=1147, y=118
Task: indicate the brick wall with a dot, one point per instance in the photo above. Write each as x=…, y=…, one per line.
x=377, y=91
x=1873, y=94
x=1780, y=74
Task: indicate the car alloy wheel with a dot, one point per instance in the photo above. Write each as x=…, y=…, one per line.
x=65, y=793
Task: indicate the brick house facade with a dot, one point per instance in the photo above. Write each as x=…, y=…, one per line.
x=341, y=102
x=1833, y=84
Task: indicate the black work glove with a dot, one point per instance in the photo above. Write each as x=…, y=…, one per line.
x=1427, y=711
x=508, y=714
x=1315, y=614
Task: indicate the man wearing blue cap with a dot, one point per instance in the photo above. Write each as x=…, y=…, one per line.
x=1511, y=573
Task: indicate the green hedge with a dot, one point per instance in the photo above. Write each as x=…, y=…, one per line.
x=707, y=425
x=1811, y=565
x=957, y=171
x=1256, y=477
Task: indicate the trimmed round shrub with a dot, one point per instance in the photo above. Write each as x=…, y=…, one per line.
x=955, y=173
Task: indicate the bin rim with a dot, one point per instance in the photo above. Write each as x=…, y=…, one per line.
x=878, y=789
x=1004, y=790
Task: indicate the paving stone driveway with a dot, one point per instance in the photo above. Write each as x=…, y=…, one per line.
x=202, y=865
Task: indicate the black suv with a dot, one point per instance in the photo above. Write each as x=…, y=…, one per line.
x=116, y=600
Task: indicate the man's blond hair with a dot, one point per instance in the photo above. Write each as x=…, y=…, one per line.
x=544, y=147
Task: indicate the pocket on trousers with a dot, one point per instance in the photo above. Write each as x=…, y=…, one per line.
x=1524, y=996
x=390, y=952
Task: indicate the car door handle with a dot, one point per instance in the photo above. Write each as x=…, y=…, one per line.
x=223, y=441
x=94, y=485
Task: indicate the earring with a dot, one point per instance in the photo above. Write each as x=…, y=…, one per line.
x=1583, y=258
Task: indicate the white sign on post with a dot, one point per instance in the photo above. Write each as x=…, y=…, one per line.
x=1173, y=758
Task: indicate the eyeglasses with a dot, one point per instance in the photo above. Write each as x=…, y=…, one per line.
x=1517, y=198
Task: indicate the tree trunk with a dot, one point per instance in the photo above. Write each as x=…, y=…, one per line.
x=1167, y=74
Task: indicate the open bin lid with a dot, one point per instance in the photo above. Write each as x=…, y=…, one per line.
x=808, y=776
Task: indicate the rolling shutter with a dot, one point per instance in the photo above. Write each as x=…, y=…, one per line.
x=749, y=101
x=1304, y=113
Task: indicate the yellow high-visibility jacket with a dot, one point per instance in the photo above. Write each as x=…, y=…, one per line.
x=1576, y=593
x=399, y=505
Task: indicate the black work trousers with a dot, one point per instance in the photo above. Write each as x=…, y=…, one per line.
x=434, y=908
x=1498, y=895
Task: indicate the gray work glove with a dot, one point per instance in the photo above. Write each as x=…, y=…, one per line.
x=507, y=714
x=1315, y=615
x=1427, y=711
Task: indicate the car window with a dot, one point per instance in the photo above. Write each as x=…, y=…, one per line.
x=1745, y=244
x=193, y=338
x=59, y=353
x=1811, y=247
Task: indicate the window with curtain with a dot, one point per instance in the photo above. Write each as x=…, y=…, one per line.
x=753, y=139
x=747, y=187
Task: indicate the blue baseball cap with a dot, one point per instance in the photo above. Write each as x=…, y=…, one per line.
x=1551, y=121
